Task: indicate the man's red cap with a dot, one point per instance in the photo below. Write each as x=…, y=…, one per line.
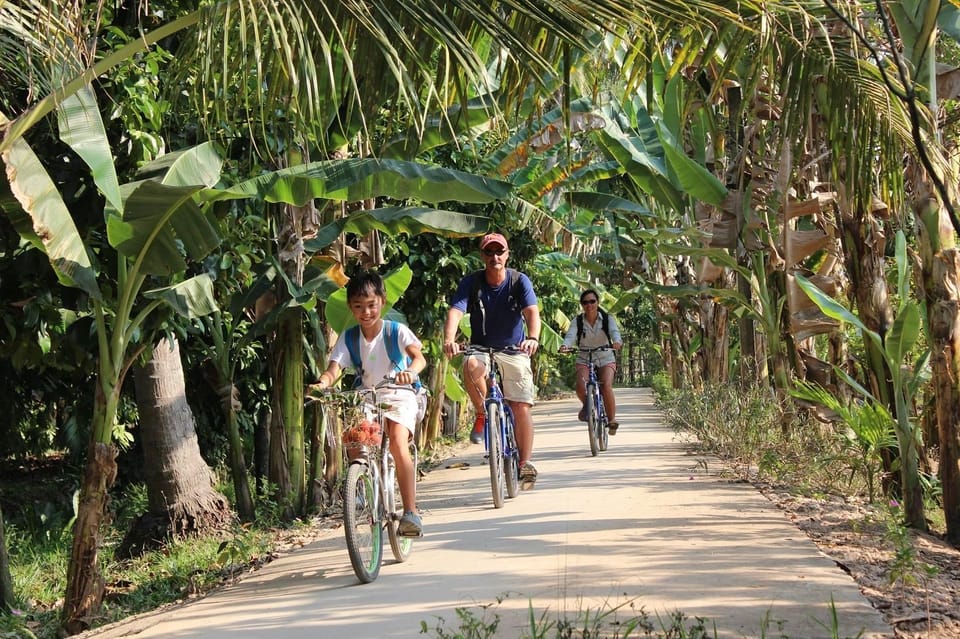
x=493, y=238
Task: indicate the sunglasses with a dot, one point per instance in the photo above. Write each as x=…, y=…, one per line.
x=494, y=251
x=586, y=302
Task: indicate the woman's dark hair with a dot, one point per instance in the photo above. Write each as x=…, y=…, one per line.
x=366, y=283
x=589, y=291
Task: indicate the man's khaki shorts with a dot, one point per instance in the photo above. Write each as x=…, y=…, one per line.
x=517, y=376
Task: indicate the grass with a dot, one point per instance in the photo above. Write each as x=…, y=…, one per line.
x=38, y=540
x=758, y=442
x=623, y=621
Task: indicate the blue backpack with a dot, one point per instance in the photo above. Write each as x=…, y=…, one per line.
x=391, y=339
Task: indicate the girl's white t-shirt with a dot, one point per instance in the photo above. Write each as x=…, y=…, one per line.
x=377, y=365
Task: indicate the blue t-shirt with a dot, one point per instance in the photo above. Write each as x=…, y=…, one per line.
x=501, y=322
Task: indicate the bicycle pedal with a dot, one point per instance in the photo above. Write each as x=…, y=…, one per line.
x=410, y=535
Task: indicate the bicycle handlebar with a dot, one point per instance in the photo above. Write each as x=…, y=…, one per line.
x=469, y=349
x=388, y=381
x=594, y=349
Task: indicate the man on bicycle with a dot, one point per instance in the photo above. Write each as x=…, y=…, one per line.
x=594, y=328
x=501, y=302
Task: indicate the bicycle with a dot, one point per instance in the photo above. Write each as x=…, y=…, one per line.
x=596, y=413
x=501, y=441
x=371, y=499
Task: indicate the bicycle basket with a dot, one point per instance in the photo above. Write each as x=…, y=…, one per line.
x=362, y=438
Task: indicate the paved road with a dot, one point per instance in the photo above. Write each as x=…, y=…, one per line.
x=642, y=526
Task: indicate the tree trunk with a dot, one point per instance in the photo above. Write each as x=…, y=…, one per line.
x=221, y=376
x=317, y=495
x=864, y=246
x=287, y=440
x=6, y=583
x=85, y=583
x=943, y=306
x=716, y=336
x=749, y=355
x=180, y=492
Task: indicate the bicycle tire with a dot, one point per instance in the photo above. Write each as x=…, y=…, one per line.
x=603, y=437
x=362, y=523
x=511, y=460
x=592, y=420
x=495, y=451
x=400, y=546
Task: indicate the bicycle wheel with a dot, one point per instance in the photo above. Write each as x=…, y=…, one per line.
x=511, y=460
x=592, y=420
x=495, y=450
x=603, y=437
x=362, y=523
x=401, y=546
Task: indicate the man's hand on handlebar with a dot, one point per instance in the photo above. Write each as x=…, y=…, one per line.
x=529, y=346
x=451, y=348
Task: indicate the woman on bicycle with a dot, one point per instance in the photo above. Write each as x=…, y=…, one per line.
x=366, y=297
x=593, y=328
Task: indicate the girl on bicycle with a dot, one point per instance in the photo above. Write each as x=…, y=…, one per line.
x=593, y=328
x=367, y=297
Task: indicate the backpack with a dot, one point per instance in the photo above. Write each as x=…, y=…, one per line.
x=606, y=326
x=475, y=301
x=391, y=339
x=399, y=359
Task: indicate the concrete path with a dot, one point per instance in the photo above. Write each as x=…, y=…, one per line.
x=642, y=526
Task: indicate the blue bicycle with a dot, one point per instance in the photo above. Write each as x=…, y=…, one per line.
x=501, y=440
x=596, y=413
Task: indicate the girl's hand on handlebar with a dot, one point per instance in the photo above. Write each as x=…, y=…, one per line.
x=565, y=349
x=405, y=377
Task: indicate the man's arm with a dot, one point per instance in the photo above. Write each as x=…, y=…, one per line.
x=454, y=315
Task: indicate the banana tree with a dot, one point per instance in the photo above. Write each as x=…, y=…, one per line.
x=920, y=24
x=151, y=223
x=896, y=347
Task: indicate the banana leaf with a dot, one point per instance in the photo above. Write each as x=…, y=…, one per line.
x=81, y=128
x=397, y=219
x=192, y=298
x=354, y=180
x=44, y=220
x=338, y=314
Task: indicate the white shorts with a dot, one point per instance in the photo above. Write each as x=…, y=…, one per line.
x=399, y=405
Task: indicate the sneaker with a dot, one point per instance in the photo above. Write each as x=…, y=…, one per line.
x=582, y=415
x=476, y=436
x=612, y=428
x=528, y=472
x=410, y=525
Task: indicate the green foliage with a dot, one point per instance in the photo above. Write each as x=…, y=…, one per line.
x=906, y=568
x=621, y=621
x=39, y=566
x=870, y=431
x=744, y=426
